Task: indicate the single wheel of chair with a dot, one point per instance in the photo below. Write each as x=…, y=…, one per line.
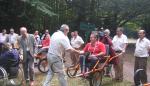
x=43, y=65
x=72, y=71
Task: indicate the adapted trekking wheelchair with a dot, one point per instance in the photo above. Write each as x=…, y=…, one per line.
x=95, y=72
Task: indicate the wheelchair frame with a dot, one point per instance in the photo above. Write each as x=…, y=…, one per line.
x=93, y=79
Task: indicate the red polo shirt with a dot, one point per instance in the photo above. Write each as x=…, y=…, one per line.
x=99, y=47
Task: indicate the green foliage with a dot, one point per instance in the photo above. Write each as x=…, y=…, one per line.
x=50, y=14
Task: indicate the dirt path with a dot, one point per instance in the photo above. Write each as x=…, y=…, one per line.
x=129, y=69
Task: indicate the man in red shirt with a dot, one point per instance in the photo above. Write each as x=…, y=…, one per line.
x=95, y=48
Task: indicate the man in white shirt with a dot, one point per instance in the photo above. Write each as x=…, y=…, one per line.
x=59, y=44
x=76, y=43
x=3, y=36
x=12, y=38
x=141, y=54
x=119, y=45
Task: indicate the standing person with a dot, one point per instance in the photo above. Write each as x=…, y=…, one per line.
x=72, y=35
x=76, y=43
x=59, y=44
x=37, y=41
x=119, y=45
x=3, y=36
x=36, y=34
x=26, y=42
x=141, y=54
x=12, y=38
x=46, y=33
x=107, y=40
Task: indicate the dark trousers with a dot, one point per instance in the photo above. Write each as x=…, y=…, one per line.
x=87, y=63
x=28, y=67
x=141, y=77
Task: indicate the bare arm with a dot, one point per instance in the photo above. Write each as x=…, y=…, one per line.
x=124, y=48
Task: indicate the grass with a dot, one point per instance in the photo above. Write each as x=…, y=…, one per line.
x=80, y=81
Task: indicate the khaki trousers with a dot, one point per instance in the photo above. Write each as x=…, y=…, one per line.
x=118, y=68
x=59, y=66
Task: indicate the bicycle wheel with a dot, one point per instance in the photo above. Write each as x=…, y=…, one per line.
x=43, y=65
x=96, y=79
x=72, y=71
x=3, y=77
x=18, y=80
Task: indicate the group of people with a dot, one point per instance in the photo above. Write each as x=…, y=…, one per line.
x=14, y=46
x=99, y=46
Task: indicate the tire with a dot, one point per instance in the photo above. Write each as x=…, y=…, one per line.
x=96, y=79
x=72, y=71
x=43, y=65
x=18, y=80
x=3, y=77
x=139, y=76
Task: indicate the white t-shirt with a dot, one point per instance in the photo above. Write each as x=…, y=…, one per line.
x=142, y=47
x=119, y=42
x=59, y=43
x=77, y=42
x=12, y=38
x=3, y=38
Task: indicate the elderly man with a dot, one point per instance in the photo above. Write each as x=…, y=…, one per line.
x=76, y=43
x=119, y=45
x=26, y=42
x=107, y=40
x=141, y=54
x=59, y=44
